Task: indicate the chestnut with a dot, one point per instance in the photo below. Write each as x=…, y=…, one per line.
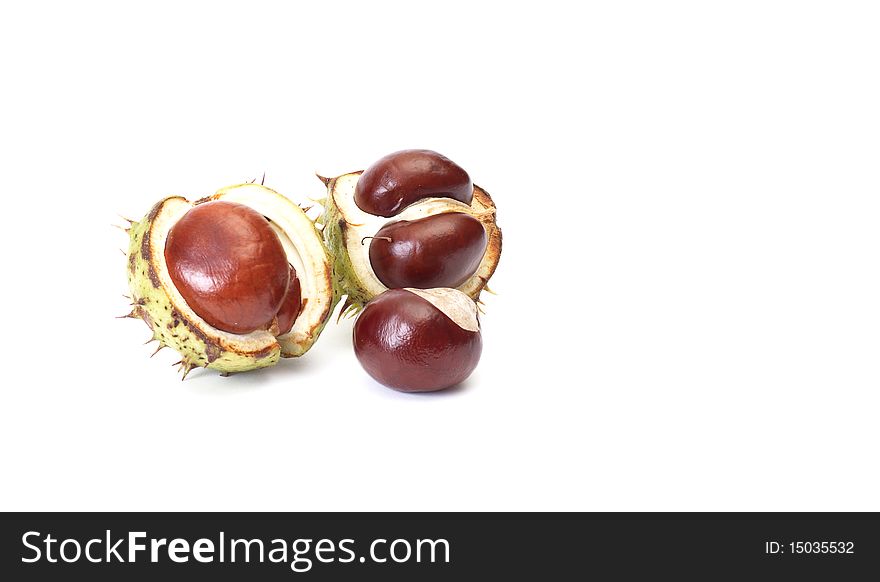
x=442, y=250
x=292, y=304
x=229, y=266
x=419, y=340
x=402, y=178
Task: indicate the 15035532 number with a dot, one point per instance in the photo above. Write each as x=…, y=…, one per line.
x=822, y=547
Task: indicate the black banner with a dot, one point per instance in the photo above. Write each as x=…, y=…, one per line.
x=431, y=546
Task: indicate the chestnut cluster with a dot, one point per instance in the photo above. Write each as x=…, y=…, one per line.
x=422, y=334
x=236, y=280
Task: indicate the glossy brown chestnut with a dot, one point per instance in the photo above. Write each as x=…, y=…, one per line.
x=228, y=265
x=442, y=250
x=405, y=342
x=292, y=304
x=407, y=176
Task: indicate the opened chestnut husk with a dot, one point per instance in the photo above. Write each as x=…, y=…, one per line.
x=233, y=281
x=413, y=219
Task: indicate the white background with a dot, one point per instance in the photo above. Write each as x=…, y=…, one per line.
x=689, y=298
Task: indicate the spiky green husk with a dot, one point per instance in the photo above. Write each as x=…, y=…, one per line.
x=358, y=291
x=172, y=327
x=345, y=280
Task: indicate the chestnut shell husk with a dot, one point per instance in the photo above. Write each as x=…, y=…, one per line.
x=345, y=226
x=174, y=324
